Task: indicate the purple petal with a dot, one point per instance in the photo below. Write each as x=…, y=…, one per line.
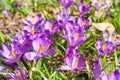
x=30, y=56
x=6, y=51
x=36, y=44
x=65, y=68
x=117, y=42
x=115, y=75
x=5, y=13
x=105, y=36
x=97, y=69
x=49, y=52
x=2, y=69
x=103, y=76
x=25, y=22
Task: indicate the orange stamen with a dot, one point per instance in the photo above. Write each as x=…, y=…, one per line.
x=76, y=36
x=42, y=48
x=104, y=46
x=13, y=54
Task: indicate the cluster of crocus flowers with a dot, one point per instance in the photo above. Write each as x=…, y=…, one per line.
x=74, y=33
x=98, y=75
x=36, y=38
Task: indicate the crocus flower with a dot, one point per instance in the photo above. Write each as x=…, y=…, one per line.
x=98, y=3
x=66, y=3
x=98, y=75
x=11, y=54
x=84, y=22
x=41, y=47
x=83, y=7
x=49, y=27
x=74, y=35
x=73, y=60
x=107, y=46
x=18, y=75
x=31, y=24
x=104, y=47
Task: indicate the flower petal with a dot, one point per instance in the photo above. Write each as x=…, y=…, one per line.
x=30, y=55
x=97, y=69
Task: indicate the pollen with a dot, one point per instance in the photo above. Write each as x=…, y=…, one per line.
x=104, y=46
x=18, y=74
x=76, y=36
x=42, y=48
x=50, y=27
x=76, y=63
x=32, y=30
x=113, y=38
x=13, y=54
x=83, y=23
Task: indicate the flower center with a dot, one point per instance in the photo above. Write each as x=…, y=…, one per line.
x=42, y=48
x=83, y=23
x=13, y=54
x=113, y=38
x=76, y=36
x=104, y=46
x=18, y=74
x=32, y=30
x=76, y=63
x=50, y=27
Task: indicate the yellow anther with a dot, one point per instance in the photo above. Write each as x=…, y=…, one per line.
x=42, y=48
x=50, y=27
x=76, y=36
x=32, y=30
x=76, y=63
x=113, y=38
x=18, y=74
x=104, y=46
x=13, y=54
x=83, y=23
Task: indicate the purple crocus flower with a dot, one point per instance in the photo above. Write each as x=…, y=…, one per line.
x=83, y=7
x=108, y=45
x=84, y=22
x=98, y=75
x=66, y=3
x=74, y=35
x=104, y=47
x=11, y=54
x=41, y=47
x=73, y=60
x=98, y=3
x=49, y=27
x=18, y=75
x=31, y=24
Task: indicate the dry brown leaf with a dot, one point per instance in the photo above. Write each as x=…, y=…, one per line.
x=104, y=26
